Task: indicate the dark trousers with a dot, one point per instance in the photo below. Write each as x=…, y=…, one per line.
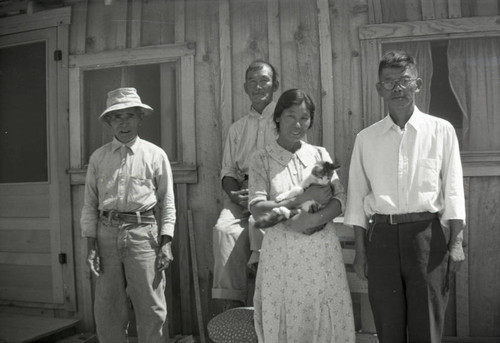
x=408, y=281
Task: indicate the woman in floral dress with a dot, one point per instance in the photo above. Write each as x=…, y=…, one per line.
x=301, y=291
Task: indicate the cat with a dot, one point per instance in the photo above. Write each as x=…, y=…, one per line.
x=321, y=173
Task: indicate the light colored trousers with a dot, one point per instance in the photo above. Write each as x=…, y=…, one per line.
x=128, y=252
x=235, y=246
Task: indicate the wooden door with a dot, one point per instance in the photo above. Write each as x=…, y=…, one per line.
x=34, y=185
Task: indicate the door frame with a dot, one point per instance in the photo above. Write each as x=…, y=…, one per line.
x=58, y=19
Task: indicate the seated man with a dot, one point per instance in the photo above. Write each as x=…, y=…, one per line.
x=232, y=243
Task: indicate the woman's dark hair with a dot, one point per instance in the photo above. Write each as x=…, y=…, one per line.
x=293, y=97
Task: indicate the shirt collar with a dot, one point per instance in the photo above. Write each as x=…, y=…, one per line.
x=305, y=154
x=266, y=113
x=415, y=121
x=132, y=145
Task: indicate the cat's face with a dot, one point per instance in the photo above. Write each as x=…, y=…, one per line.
x=323, y=171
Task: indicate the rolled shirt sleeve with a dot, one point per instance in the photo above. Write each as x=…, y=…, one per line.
x=258, y=180
x=452, y=180
x=165, y=196
x=228, y=157
x=357, y=190
x=90, y=212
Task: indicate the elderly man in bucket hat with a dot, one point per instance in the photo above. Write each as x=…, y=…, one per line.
x=127, y=180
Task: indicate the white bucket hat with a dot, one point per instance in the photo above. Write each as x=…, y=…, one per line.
x=121, y=98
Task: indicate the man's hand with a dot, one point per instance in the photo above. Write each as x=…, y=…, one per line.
x=360, y=262
x=240, y=197
x=457, y=255
x=94, y=262
x=164, y=257
x=360, y=265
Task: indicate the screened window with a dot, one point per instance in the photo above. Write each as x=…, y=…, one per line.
x=23, y=113
x=164, y=78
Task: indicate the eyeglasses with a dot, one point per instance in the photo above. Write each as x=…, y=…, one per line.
x=390, y=84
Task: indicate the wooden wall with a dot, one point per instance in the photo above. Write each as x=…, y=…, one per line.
x=314, y=45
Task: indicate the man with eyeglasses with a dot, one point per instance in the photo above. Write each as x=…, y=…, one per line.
x=406, y=204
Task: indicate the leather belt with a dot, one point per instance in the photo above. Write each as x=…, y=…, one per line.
x=146, y=217
x=394, y=219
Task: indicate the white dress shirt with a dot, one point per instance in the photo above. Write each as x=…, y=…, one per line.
x=248, y=134
x=414, y=169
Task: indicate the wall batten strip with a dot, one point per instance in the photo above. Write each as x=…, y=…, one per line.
x=187, y=110
x=374, y=12
x=180, y=19
x=273, y=35
x=121, y=24
x=326, y=71
x=462, y=275
x=75, y=118
x=79, y=27
x=135, y=23
x=454, y=9
x=225, y=68
x=427, y=9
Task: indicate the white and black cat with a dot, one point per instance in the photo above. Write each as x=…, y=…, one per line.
x=320, y=174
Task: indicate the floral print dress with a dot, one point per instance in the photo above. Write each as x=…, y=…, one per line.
x=301, y=290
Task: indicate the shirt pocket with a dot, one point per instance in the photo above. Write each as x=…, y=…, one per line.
x=427, y=175
x=141, y=190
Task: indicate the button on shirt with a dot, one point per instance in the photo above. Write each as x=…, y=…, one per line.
x=248, y=134
x=415, y=169
x=128, y=178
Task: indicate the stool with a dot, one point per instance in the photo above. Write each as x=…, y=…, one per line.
x=233, y=326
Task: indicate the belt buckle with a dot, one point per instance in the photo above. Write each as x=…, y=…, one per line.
x=391, y=220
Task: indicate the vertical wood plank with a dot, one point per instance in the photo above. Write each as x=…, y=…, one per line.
x=273, y=35
x=299, y=54
x=180, y=21
x=346, y=18
x=441, y=9
x=106, y=26
x=83, y=275
x=135, y=23
x=184, y=268
x=159, y=22
x=454, y=9
x=194, y=267
x=64, y=211
x=225, y=101
x=375, y=12
x=187, y=109
x=202, y=27
x=78, y=33
x=75, y=118
x=326, y=74
x=373, y=107
x=168, y=112
x=484, y=270
x=120, y=10
x=248, y=30
x=462, y=275
x=427, y=9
